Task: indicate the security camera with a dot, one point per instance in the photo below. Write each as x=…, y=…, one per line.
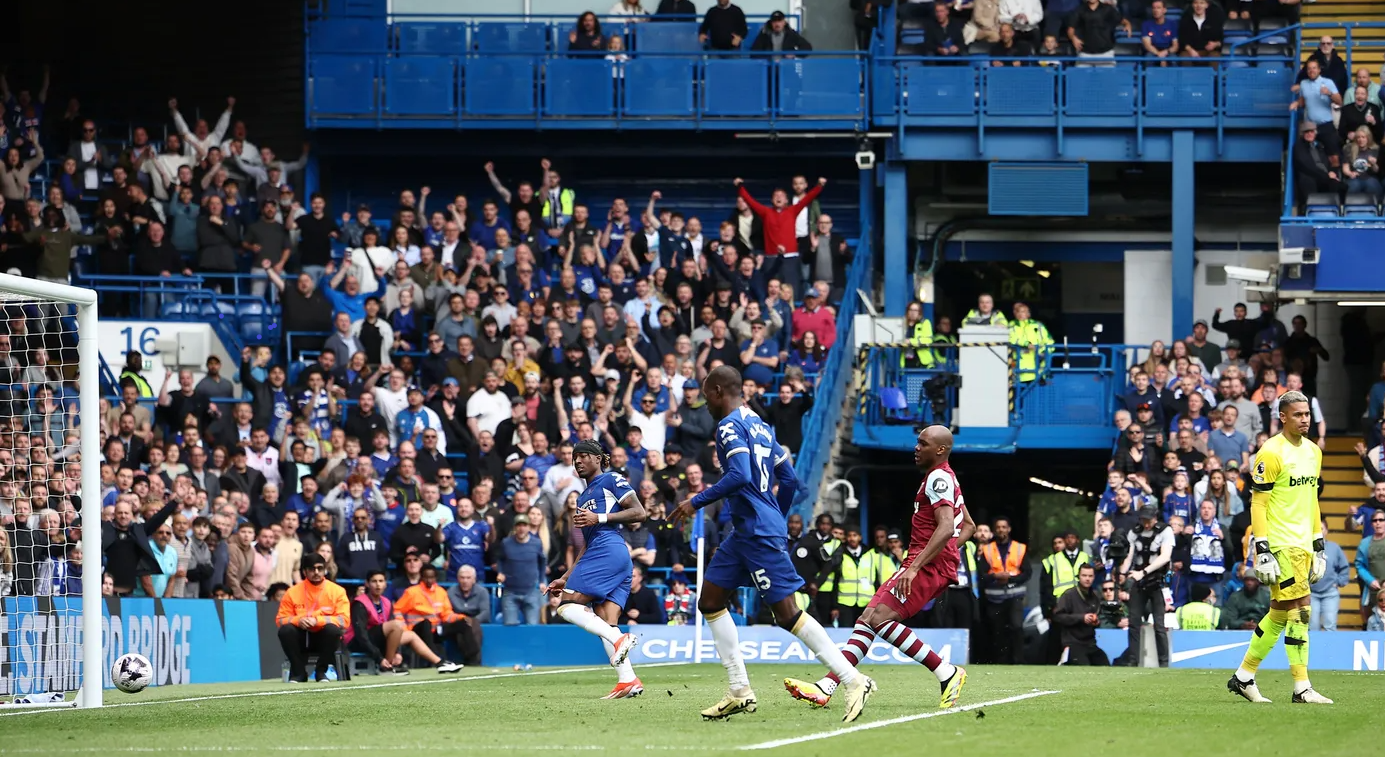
x=852, y=503
x=865, y=160
x=1248, y=275
x=1298, y=256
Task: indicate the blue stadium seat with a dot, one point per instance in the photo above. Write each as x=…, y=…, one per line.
x=502, y=37
x=420, y=86
x=816, y=86
x=435, y=38
x=499, y=86
x=1359, y=205
x=356, y=7
x=736, y=87
x=348, y=35
x=172, y=310
x=668, y=37
x=665, y=86
x=892, y=398
x=249, y=307
x=341, y=84
x=1322, y=205
x=579, y=87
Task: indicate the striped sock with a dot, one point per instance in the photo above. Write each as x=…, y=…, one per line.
x=904, y=640
x=855, y=651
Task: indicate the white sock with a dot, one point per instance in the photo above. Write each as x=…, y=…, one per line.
x=585, y=619
x=723, y=630
x=828, y=685
x=1244, y=676
x=625, y=672
x=812, y=634
x=1302, y=686
x=945, y=671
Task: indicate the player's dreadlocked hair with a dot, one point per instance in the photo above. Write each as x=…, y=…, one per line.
x=593, y=447
x=1289, y=398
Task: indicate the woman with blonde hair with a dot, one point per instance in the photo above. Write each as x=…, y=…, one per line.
x=1361, y=164
x=1158, y=355
x=329, y=554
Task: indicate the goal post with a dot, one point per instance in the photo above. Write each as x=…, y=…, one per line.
x=48, y=655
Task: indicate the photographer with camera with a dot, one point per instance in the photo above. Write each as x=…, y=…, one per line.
x=1077, y=616
x=1144, y=571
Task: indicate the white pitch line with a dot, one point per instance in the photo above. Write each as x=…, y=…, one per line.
x=314, y=688
x=893, y=721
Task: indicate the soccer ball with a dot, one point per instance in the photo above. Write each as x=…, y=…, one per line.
x=131, y=673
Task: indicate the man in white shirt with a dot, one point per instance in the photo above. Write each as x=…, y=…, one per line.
x=488, y=406
x=90, y=157
x=452, y=252
x=263, y=457
x=389, y=399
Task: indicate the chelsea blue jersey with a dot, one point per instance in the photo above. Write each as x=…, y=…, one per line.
x=603, y=495
x=754, y=508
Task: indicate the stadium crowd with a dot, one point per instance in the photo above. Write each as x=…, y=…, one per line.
x=451, y=356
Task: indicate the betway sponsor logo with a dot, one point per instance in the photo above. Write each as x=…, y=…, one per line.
x=1303, y=481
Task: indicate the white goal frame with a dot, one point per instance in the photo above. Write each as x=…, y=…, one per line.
x=89, y=396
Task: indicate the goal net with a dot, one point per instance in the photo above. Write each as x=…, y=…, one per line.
x=50, y=495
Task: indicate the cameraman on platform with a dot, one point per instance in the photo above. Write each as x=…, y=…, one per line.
x=1077, y=616
x=1144, y=570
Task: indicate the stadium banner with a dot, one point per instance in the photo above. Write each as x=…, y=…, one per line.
x=186, y=640
x=504, y=646
x=1223, y=650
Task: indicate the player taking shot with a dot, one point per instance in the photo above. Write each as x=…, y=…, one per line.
x=755, y=554
x=594, y=589
x=1287, y=546
x=940, y=521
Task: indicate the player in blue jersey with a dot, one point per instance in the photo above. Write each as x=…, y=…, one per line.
x=755, y=554
x=594, y=590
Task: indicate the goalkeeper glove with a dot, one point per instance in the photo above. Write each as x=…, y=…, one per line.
x=1319, y=561
x=1266, y=566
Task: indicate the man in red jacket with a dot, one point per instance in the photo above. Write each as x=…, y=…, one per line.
x=814, y=317
x=781, y=242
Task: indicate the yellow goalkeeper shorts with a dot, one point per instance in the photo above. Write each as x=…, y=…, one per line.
x=1294, y=564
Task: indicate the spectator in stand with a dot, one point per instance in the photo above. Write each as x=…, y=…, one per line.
x=1361, y=160
x=1242, y=329
x=91, y=159
x=1010, y=47
x=585, y=38
x=723, y=27
x=781, y=242
x=1200, y=33
x=56, y=242
x=776, y=36
x=1092, y=29
x=218, y=239
x=1361, y=113
x=1328, y=61
x=1228, y=443
x=814, y=317
x=1319, y=97
x=1326, y=593
x=1027, y=17
x=1159, y=34
x=520, y=567
x=942, y=34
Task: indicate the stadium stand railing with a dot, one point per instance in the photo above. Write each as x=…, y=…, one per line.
x=820, y=425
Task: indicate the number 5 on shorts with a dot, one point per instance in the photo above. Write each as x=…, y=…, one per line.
x=761, y=580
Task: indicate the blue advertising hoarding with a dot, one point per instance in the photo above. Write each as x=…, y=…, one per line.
x=186, y=640
x=1335, y=650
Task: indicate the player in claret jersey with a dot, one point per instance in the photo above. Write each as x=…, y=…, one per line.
x=940, y=521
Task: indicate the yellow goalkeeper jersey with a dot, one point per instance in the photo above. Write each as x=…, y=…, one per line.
x=1289, y=475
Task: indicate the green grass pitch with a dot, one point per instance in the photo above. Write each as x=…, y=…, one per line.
x=1170, y=713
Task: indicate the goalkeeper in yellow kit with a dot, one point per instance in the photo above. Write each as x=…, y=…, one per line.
x=1287, y=547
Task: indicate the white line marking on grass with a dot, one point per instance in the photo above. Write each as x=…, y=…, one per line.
x=317, y=688
x=375, y=749
x=893, y=721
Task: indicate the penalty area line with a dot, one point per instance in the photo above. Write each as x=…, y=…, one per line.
x=312, y=688
x=893, y=721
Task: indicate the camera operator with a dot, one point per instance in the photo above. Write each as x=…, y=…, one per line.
x=1111, y=612
x=1144, y=570
x=1077, y=616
